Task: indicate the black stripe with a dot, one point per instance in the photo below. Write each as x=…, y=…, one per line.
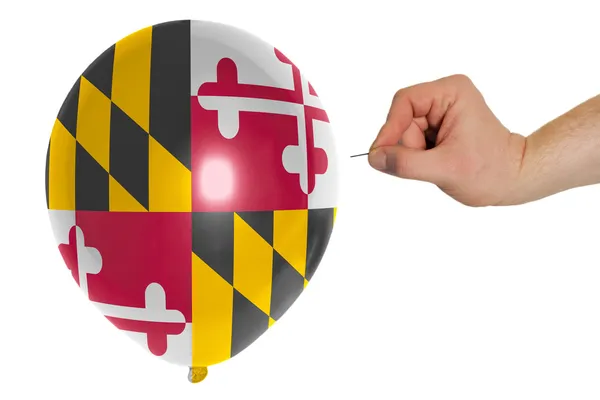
x=67, y=114
x=129, y=155
x=287, y=286
x=100, y=72
x=261, y=222
x=320, y=226
x=170, y=89
x=91, y=183
x=212, y=241
x=48, y=175
x=248, y=324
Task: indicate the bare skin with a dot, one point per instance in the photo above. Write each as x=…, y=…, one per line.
x=444, y=133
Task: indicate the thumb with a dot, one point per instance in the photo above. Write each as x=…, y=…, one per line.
x=408, y=163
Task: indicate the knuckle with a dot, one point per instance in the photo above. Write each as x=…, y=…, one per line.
x=399, y=94
x=461, y=79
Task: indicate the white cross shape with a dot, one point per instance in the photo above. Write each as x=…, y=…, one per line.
x=89, y=260
x=155, y=309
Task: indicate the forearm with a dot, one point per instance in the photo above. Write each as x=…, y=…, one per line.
x=561, y=155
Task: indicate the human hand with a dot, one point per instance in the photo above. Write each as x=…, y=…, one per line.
x=474, y=158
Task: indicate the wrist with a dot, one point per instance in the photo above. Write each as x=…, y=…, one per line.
x=519, y=173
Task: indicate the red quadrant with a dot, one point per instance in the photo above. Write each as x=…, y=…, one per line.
x=245, y=173
x=138, y=249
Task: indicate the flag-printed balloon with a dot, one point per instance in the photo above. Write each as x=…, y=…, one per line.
x=191, y=182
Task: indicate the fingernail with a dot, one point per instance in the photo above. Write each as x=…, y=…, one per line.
x=378, y=159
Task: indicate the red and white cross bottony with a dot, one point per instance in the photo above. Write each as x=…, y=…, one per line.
x=254, y=111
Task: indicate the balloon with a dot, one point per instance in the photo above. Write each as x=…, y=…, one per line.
x=192, y=187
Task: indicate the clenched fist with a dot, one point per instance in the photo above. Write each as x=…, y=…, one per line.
x=443, y=132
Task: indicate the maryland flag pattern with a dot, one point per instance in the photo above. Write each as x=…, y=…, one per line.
x=191, y=181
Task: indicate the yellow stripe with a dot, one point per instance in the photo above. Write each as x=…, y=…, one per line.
x=271, y=322
x=93, y=122
x=212, y=315
x=131, y=76
x=170, y=181
x=252, y=265
x=305, y=283
x=290, y=231
x=334, y=214
x=61, y=174
x=120, y=199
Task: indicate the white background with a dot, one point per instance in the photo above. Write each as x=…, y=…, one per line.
x=418, y=297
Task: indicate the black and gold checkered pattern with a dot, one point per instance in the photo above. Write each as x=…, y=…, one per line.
x=121, y=141
x=249, y=268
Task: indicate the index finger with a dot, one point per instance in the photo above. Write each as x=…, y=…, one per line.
x=429, y=100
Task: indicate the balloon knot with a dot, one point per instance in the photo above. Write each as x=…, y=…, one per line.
x=197, y=374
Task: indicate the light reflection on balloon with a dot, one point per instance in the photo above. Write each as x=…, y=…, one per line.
x=217, y=179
